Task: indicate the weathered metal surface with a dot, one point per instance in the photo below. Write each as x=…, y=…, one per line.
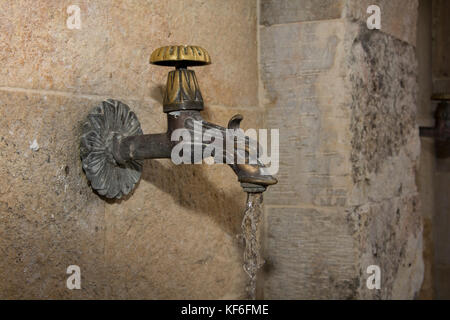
x=182, y=91
x=174, y=56
x=106, y=124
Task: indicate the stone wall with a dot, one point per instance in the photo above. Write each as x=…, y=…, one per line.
x=175, y=237
x=345, y=99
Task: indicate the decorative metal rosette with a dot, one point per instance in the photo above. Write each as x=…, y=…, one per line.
x=110, y=120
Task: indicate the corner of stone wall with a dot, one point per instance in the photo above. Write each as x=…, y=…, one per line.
x=382, y=73
x=344, y=98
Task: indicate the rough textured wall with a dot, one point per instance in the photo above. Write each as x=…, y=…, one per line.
x=385, y=151
x=344, y=98
x=175, y=237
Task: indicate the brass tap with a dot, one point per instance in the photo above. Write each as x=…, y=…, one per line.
x=113, y=146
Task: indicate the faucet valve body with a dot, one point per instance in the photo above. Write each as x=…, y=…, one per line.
x=182, y=91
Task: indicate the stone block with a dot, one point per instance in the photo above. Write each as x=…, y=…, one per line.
x=385, y=142
x=50, y=218
x=398, y=18
x=289, y=11
x=310, y=254
x=109, y=55
x=389, y=235
x=305, y=98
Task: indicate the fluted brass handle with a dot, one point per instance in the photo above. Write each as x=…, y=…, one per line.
x=182, y=89
x=184, y=56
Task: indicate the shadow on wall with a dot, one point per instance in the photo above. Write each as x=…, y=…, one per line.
x=186, y=184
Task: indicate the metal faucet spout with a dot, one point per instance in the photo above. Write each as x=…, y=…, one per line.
x=252, y=176
x=147, y=146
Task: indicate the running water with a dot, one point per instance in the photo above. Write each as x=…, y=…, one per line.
x=251, y=235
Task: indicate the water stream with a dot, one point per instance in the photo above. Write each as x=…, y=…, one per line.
x=251, y=235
